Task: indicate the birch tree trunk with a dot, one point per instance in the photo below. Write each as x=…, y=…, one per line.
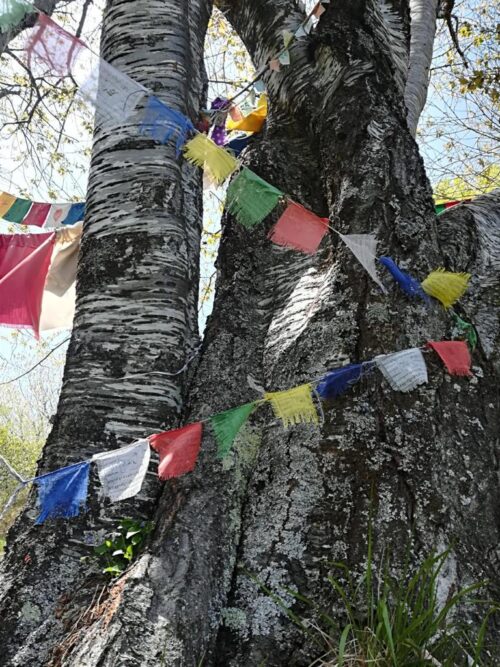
x=289, y=502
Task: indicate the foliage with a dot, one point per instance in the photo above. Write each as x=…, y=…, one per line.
x=119, y=550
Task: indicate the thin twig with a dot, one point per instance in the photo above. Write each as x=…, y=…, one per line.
x=37, y=364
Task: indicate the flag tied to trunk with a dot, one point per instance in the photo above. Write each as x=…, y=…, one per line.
x=178, y=450
x=161, y=123
x=24, y=264
x=63, y=493
x=364, y=248
x=454, y=354
x=410, y=286
x=339, y=380
x=465, y=329
x=446, y=286
x=250, y=199
x=122, y=471
x=217, y=163
x=404, y=370
x=293, y=406
x=226, y=426
x=50, y=45
x=299, y=229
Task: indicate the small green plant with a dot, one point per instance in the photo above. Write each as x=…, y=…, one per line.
x=119, y=550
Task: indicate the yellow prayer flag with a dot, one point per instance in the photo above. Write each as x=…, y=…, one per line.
x=254, y=121
x=294, y=405
x=217, y=162
x=446, y=286
x=6, y=202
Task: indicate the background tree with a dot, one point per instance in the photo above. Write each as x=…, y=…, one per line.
x=289, y=502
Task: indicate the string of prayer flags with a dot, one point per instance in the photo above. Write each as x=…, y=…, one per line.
x=293, y=406
x=410, y=286
x=12, y=13
x=37, y=214
x=339, y=380
x=178, y=450
x=405, y=370
x=226, y=426
x=52, y=46
x=446, y=286
x=62, y=493
x=24, y=264
x=122, y=471
x=300, y=229
x=217, y=163
x=441, y=207
x=255, y=120
x=466, y=329
x=162, y=123
x=455, y=356
x=250, y=199
x=364, y=248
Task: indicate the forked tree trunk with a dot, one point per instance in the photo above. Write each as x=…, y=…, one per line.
x=291, y=502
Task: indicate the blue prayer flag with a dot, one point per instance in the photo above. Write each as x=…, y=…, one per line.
x=62, y=493
x=409, y=285
x=75, y=214
x=337, y=381
x=161, y=123
x=238, y=144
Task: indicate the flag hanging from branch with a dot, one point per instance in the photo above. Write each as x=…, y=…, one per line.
x=455, y=356
x=446, y=286
x=300, y=229
x=162, y=123
x=217, y=163
x=52, y=46
x=178, y=450
x=24, y=263
x=404, y=370
x=250, y=199
x=364, y=248
x=339, y=380
x=63, y=493
x=122, y=471
x=410, y=286
x=293, y=406
x=226, y=426
x=12, y=13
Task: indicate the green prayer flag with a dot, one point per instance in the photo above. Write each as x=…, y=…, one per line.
x=439, y=208
x=12, y=13
x=467, y=329
x=227, y=424
x=250, y=199
x=18, y=211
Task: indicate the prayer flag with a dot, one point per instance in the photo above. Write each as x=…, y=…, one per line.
x=466, y=329
x=250, y=199
x=254, y=121
x=410, y=286
x=404, y=370
x=227, y=424
x=122, y=471
x=217, y=162
x=293, y=406
x=219, y=134
x=300, y=229
x=57, y=213
x=162, y=123
x=274, y=65
x=24, y=263
x=446, y=286
x=178, y=450
x=6, y=202
x=12, y=13
x=37, y=215
x=75, y=214
x=454, y=354
x=284, y=58
x=62, y=493
x=364, y=248
x=339, y=380
x=239, y=144
x=51, y=45
x=18, y=211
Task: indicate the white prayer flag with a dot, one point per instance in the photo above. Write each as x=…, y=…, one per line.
x=364, y=248
x=405, y=370
x=122, y=471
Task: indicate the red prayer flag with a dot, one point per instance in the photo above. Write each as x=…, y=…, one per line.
x=24, y=263
x=299, y=228
x=53, y=46
x=178, y=450
x=37, y=215
x=455, y=356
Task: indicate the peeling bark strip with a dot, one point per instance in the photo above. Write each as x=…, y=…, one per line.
x=136, y=317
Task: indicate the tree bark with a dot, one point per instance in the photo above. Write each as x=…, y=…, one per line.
x=291, y=502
